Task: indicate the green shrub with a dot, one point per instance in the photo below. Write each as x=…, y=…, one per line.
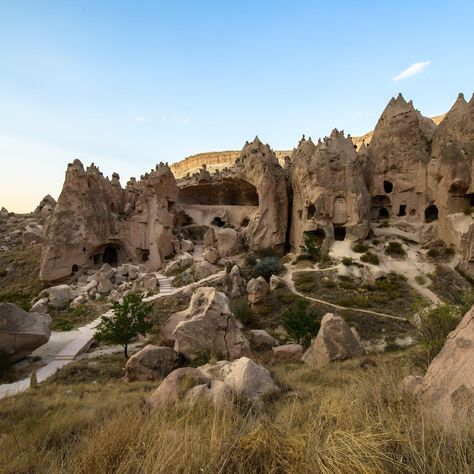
x=242, y=310
x=347, y=261
x=310, y=248
x=300, y=324
x=395, y=249
x=369, y=257
x=268, y=266
x=250, y=259
x=360, y=247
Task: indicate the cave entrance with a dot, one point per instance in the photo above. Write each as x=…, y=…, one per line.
x=75, y=269
x=387, y=186
x=110, y=256
x=402, y=211
x=379, y=207
x=245, y=223
x=383, y=213
x=218, y=222
x=431, y=213
x=319, y=235
x=311, y=211
x=339, y=233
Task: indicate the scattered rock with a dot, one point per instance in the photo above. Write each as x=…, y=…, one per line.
x=287, y=352
x=261, y=340
x=151, y=363
x=211, y=255
x=60, y=296
x=257, y=289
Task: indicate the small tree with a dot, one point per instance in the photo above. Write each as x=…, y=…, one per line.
x=130, y=318
x=268, y=266
x=310, y=248
x=301, y=324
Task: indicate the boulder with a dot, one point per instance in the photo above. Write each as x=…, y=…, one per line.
x=228, y=242
x=186, y=245
x=176, y=385
x=245, y=377
x=287, y=352
x=236, y=282
x=448, y=385
x=257, y=289
x=209, y=238
x=209, y=327
x=21, y=332
x=211, y=255
x=204, y=269
x=216, y=392
x=32, y=235
x=335, y=341
x=41, y=306
x=151, y=363
x=261, y=340
x=77, y=301
x=60, y=296
x=150, y=283
x=275, y=282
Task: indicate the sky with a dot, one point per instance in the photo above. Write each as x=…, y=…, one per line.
x=127, y=84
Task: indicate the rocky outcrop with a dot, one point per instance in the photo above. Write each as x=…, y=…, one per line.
x=208, y=327
x=21, y=332
x=330, y=198
x=261, y=340
x=257, y=289
x=334, y=342
x=151, y=363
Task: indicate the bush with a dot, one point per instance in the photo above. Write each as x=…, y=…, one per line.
x=267, y=252
x=347, y=261
x=310, y=249
x=250, y=259
x=370, y=258
x=360, y=247
x=438, y=250
x=395, y=249
x=268, y=266
x=242, y=310
x=301, y=324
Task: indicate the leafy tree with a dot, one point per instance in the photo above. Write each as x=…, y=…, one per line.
x=301, y=324
x=130, y=318
x=268, y=266
x=310, y=248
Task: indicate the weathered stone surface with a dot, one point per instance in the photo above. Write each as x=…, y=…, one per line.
x=150, y=283
x=32, y=235
x=21, y=332
x=334, y=341
x=176, y=385
x=448, y=385
x=257, y=289
x=216, y=392
x=41, y=306
x=209, y=327
x=60, y=296
x=151, y=363
x=287, y=352
x=245, y=377
x=261, y=340
x=204, y=269
x=211, y=255
x=228, y=242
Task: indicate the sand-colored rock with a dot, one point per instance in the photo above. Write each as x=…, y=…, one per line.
x=257, y=289
x=151, y=363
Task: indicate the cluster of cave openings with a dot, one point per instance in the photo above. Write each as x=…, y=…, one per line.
x=231, y=192
x=110, y=255
x=319, y=235
x=339, y=232
x=379, y=207
x=387, y=186
x=431, y=213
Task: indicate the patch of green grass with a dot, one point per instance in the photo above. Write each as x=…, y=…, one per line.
x=79, y=316
x=360, y=247
x=395, y=249
x=371, y=258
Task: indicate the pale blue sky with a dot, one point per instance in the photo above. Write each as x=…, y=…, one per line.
x=127, y=84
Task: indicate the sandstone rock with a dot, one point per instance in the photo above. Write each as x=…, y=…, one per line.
x=335, y=341
x=167, y=329
x=210, y=238
x=186, y=245
x=32, y=235
x=216, y=392
x=41, y=306
x=245, y=377
x=412, y=384
x=236, y=284
x=77, y=301
x=60, y=296
x=211, y=255
x=257, y=289
x=275, y=282
x=448, y=385
x=21, y=332
x=204, y=269
x=261, y=340
x=228, y=242
x=209, y=327
x=176, y=385
x=287, y=352
x=150, y=283
x=151, y=363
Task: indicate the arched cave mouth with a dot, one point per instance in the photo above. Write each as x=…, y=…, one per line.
x=319, y=235
x=230, y=192
x=402, y=211
x=218, y=222
x=380, y=206
x=387, y=186
x=431, y=213
x=383, y=213
x=339, y=233
x=109, y=253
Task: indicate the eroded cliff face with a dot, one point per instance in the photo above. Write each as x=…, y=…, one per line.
x=97, y=221
x=330, y=198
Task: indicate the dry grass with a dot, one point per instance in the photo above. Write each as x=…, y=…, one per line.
x=341, y=420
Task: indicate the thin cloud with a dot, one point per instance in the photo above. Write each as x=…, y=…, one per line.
x=415, y=68
x=186, y=120
x=139, y=119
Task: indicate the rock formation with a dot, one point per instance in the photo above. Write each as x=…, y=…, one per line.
x=21, y=332
x=151, y=363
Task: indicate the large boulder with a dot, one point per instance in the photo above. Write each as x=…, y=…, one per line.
x=335, y=341
x=151, y=363
x=60, y=296
x=32, y=235
x=209, y=327
x=176, y=385
x=245, y=377
x=448, y=385
x=21, y=332
x=287, y=352
x=204, y=269
x=211, y=254
x=228, y=242
x=257, y=289
x=261, y=340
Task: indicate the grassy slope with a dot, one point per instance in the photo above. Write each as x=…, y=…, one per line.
x=343, y=419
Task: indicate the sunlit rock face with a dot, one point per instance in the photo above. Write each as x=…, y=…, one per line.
x=330, y=198
x=97, y=221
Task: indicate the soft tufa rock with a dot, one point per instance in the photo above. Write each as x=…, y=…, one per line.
x=257, y=289
x=261, y=340
x=287, y=352
x=32, y=235
x=204, y=269
x=186, y=245
x=41, y=306
x=209, y=238
x=245, y=377
x=228, y=242
x=176, y=385
x=209, y=327
x=211, y=255
x=60, y=296
x=151, y=363
x=150, y=283
x=21, y=332
x=216, y=392
x=335, y=341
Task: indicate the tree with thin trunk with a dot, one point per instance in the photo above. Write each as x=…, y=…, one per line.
x=130, y=318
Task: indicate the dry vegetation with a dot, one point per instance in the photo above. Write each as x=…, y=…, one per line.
x=344, y=419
